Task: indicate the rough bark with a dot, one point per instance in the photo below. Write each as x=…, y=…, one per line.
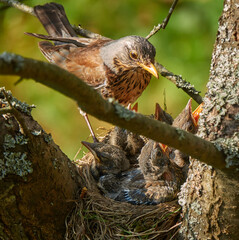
x=210, y=197
x=38, y=183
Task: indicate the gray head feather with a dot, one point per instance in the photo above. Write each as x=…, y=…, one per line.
x=120, y=49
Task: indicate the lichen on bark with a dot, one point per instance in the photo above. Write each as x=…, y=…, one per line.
x=209, y=198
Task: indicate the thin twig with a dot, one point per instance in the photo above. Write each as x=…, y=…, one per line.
x=5, y=110
x=18, y=81
x=18, y=5
x=165, y=21
x=180, y=83
x=24, y=8
x=86, y=33
x=14, y=111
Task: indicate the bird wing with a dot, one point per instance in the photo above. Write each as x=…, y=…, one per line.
x=84, y=62
x=79, y=42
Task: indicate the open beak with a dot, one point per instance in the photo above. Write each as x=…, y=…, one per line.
x=163, y=147
x=90, y=147
x=134, y=108
x=189, y=108
x=196, y=114
x=150, y=68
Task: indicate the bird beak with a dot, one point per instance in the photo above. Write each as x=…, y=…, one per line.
x=150, y=68
x=196, y=114
x=158, y=110
x=189, y=107
x=134, y=108
x=90, y=147
x=163, y=147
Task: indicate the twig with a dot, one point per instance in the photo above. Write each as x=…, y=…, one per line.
x=79, y=30
x=6, y=110
x=91, y=102
x=165, y=21
x=19, y=6
x=180, y=83
x=11, y=109
x=18, y=81
x=86, y=33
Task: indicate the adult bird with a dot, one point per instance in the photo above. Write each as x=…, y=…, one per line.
x=119, y=69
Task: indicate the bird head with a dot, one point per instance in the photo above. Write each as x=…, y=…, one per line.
x=129, y=53
x=196, y=114
x=154, y=160
x=161, y=115
x=107, y=158
x=188, y=120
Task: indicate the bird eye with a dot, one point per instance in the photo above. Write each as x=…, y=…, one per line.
x=159, y=154
x=133, y=55
x=190, y=129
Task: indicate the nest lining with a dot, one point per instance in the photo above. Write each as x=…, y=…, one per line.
x=98, y=217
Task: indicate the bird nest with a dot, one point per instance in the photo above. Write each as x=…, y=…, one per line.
x=98, y=217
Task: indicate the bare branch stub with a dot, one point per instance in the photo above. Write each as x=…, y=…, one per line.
x=86, y=33
x=165, y=21
x=18, y=5
x=11, y=109
x=24, y=8
x=180, y=83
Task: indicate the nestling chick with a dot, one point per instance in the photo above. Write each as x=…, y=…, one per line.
x=157, y=179
x=130, y=143
x=188, y=121
x=107, y=159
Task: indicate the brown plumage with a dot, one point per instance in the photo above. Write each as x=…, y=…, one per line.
x=107, y=159
x=130, y=143
x=156, y=180
x=187, y=121
x=120, y=69
x=161, y=115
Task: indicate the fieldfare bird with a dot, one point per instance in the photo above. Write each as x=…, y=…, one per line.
x=161, y=115
x=131, y=143
x=156, y=180
x=108, y=159
x=119, y=69
x=188, y=121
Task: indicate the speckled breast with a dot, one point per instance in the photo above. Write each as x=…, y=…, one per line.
x=127, y=87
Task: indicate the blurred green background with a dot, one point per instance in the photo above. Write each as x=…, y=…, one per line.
x=184, y=48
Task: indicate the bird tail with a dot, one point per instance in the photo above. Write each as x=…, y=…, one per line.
x=54, y=19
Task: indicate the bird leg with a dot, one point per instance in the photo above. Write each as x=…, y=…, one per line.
x=84, y=114
x=134, y=108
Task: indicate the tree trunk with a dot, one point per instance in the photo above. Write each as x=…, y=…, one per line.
x=210, y=198
x=38, y=182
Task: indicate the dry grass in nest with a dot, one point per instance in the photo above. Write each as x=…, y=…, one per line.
x=97, y=217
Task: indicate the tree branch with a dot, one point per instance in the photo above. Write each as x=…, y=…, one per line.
x=91, y=102
x=180, y=83
x=165, y=21
x=18, y=5
x=24, y=8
